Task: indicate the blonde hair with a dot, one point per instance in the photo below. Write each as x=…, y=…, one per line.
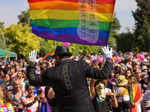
x=17, y=82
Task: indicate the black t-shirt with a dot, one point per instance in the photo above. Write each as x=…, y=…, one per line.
x=103, y=106
x=142, y=82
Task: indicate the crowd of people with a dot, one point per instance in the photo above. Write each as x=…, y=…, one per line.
x=126, y=90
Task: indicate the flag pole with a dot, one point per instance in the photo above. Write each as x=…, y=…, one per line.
x=55, y=43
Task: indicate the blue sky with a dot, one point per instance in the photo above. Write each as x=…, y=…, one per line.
x=9, y=9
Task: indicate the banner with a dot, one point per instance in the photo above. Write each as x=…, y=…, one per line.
x=76, y=21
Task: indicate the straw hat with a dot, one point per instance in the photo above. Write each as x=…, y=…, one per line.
x=122, y=81
x=147, y=104
x=144, y=67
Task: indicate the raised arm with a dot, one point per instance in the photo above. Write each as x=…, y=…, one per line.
x=35, y=78
x=95, y=73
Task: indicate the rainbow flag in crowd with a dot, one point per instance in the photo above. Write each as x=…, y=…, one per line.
x=6, y=57
x=77, y=21
x=136, y=96
x=2, y=80
x=45, y=107
x=49, y=54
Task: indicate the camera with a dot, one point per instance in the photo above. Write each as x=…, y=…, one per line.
x=39, y=92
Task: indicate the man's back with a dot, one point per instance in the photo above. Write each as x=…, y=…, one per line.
x=69, y=83
x=68, y=79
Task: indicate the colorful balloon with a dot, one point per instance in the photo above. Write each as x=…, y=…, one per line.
x=91, y=60
x=141, y=57
x=100, y=60
x=118, y=59
x=66, y=44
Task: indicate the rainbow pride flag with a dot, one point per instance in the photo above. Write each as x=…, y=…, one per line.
x=48, y=54
x=6, y=57
x=76, y=21
x=136, y=96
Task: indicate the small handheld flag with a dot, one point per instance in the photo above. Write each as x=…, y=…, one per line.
x=48, y=54
x=6, y=57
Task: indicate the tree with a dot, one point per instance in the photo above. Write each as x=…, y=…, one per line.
x=46, y=46
x=2, y=36
x=1, y=24
x=126, y=42
x=24, y=17
x=142, y=19
x=115, y=25
x=114, y=29
x=20, y=39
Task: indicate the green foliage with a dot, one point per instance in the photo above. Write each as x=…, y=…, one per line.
x=1, y=24
x=24, y=17
x=77, y=49
x=1, y=42
x=142, y=19
x=115, y=25
x=46, y=46
x=126, y=42
x=2, y=36
x=20, y=39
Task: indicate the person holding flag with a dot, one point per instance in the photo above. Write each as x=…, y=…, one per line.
x=68, y=79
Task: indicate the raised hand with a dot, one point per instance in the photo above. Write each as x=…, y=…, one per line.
x=107, y=52
x=33, y=56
